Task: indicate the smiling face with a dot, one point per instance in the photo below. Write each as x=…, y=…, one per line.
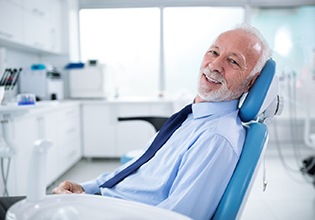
x=226, y=66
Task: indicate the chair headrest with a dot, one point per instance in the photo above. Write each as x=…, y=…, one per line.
x=261, y=95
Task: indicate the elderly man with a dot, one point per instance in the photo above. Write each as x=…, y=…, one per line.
x=190, y=169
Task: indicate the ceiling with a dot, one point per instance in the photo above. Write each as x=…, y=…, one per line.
x=161, y=3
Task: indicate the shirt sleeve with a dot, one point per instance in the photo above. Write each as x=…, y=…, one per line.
x=92, y=186
x=202, y=178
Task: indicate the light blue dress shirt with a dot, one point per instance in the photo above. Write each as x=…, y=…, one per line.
x=191, y=171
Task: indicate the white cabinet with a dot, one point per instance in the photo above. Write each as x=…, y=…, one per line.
x=69, y=133
x=99, y=130
x=36, y=29
x=105, y=136
x=11, y=22
x=63, y=128
x=42, y=21
x=57, y=21
x=25, y=131
x=33, y=24
x=61, y=125
x=48, y=129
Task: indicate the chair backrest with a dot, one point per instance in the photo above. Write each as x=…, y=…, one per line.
x=237, y=191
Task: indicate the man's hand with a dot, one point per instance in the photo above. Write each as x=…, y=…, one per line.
x=67, y=187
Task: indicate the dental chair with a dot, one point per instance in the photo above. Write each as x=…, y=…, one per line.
x=260, y=105
x=257, y=107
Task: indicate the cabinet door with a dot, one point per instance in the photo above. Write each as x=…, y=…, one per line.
x=24, y=132
x=33, y=24
x=47, y=129
x=99, y=128
x=55, y=20
x=11, y=22
x=69, y=137
x=42, y=25
x=37, y=29
x=62, y=127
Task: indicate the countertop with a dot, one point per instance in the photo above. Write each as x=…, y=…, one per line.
x=10, y=110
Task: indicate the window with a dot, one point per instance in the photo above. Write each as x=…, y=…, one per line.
x=189, y=32
x=127, y=41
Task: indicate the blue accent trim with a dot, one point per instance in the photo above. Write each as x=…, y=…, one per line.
x=74, y=66
x=257, y=93
x=38, y=67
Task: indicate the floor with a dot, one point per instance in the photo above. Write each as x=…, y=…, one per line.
x=288, y=194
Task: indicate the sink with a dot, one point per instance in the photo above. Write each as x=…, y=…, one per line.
x=84, y=206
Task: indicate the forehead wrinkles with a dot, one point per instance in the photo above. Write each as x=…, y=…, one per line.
x=240, y=43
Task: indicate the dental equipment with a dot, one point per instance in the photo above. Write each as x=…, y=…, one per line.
x=273, y=105
x=308, y=164
x=36, y=185
x=309, y=138
x=7, y=150
x=9, y=78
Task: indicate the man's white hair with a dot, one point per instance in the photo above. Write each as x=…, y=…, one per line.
x=266, y=50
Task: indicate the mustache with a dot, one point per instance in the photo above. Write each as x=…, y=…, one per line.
x=214, y=75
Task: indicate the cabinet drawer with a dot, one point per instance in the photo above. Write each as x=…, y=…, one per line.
x=69, y=154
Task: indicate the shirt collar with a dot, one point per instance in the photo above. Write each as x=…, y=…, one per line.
x=204, y=109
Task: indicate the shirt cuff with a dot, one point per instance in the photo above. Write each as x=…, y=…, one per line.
x=90, y=187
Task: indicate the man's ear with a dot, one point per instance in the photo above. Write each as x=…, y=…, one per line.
x=252, y=81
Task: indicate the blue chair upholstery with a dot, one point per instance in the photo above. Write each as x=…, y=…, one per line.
x=258, y=92
x=237, y=191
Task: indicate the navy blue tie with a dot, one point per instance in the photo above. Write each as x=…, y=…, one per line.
x=164, y=134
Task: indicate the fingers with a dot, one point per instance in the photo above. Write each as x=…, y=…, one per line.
x=67, y=187
x=63, y=188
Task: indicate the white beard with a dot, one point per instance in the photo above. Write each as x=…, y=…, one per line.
x=222, y=94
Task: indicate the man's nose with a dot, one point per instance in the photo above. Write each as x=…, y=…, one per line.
x=216, y=65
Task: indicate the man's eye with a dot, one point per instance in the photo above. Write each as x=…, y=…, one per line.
x=213, y=52
x=233, y=62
